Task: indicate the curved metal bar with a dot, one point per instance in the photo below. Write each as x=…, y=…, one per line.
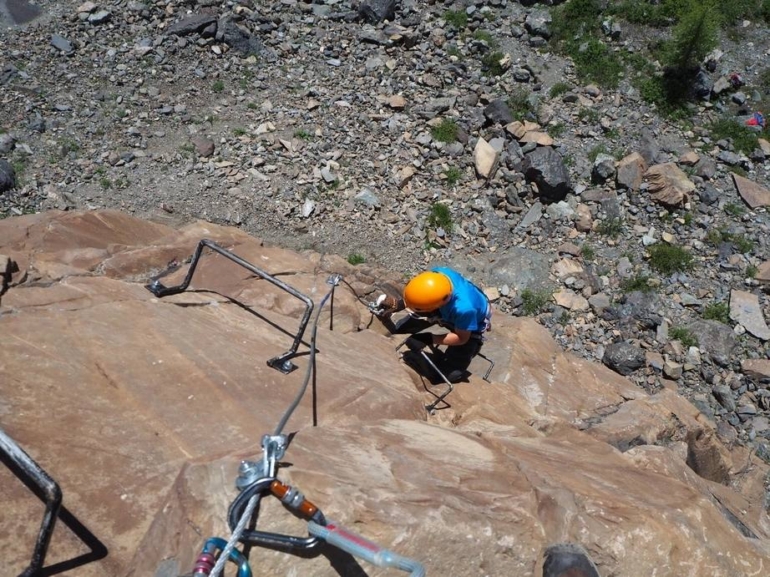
x=281, y=362
x=50, y=493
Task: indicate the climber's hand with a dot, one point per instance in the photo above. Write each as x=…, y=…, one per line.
x=419, y=341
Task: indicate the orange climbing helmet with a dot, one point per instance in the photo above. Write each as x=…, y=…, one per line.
x=427, y=291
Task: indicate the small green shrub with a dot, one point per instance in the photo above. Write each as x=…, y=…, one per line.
x=587, y=252
x=556, y=130
x=559, y=88
x=534, y=302
x=734, y=209
x=355, y=258
x=717, y=312
x=520, y=105
x=445, y=131
x=669, y=258
x=452, y=175
x=743, y=138
x=688, y=218
x=490, y=62
x=684, y=336
x=588, y=115
x=105, y=183
x=751, y=271
x=743, y=244
x=239, y=131
x=485, y=36
x=611, y=227
x=636, y=283
x=218, y=86
x=595, y=62
x=252, y=106
x=303, y=134
x=596, y=151
x=440, y=217
x=456, y=18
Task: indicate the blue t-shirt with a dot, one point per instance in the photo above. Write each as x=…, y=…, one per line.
x=467, y=308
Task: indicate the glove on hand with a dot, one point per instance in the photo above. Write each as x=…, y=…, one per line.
x=419, y=341
x=387, y=305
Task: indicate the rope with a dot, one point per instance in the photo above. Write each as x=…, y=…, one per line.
x=249, y=510
x=236, y=536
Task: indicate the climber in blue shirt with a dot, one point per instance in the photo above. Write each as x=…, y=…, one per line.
x=443, y=296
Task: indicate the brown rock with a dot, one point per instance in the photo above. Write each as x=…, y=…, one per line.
x=485, y=158
x=763, y=274
x=405, y=175
x=630, y=171
x=397, y=102
x=689, y=158
x=164, y=397
x=751, y=192
x=669, y=186
x=540, y=138
x=203, y=146
x=516, y=129
x=745, y=309
x=756, y=368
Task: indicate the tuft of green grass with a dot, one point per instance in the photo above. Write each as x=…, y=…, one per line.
x=490, y=62
x=587, y=252
x=743, y=138
x=218, y=86
x=612, y=227
x=684, y=336
x=105, y=183
x=440, y=217
x=252, y=106
x=520, y=105
x=717, y=312
x=355, y=258
x=556, y=130
x=596, y=151
x=752, y=271
x=446, y=131
x=485, y=36
x=239, y=131
x=589, y=115
x=456, y=18
x=670, y=258
x=559, y=88
x=734, y=209
x=303, y=134
x=534, y=302
x=636, y=283
x=452, y=175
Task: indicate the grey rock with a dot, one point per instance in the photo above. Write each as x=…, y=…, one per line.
x=100, y=17
x=534, y=214
x=7, y=143
x=7, y=176
x=706, y=168
x=368, y=198
x=375, y=11
x=497, y=112
x=545, y=167
x=62, y=44
x=715, y=339
x=730, y=158
x=623, y=357
x=702, y=85
x=538, y=23
x=724, y=395
x=191, y=24
x=648, y=147
x=708, y=195
x=603, y=169
x=238, y=37
x=435, y=107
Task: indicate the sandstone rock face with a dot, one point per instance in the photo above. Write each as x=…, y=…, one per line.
x=141, y=408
